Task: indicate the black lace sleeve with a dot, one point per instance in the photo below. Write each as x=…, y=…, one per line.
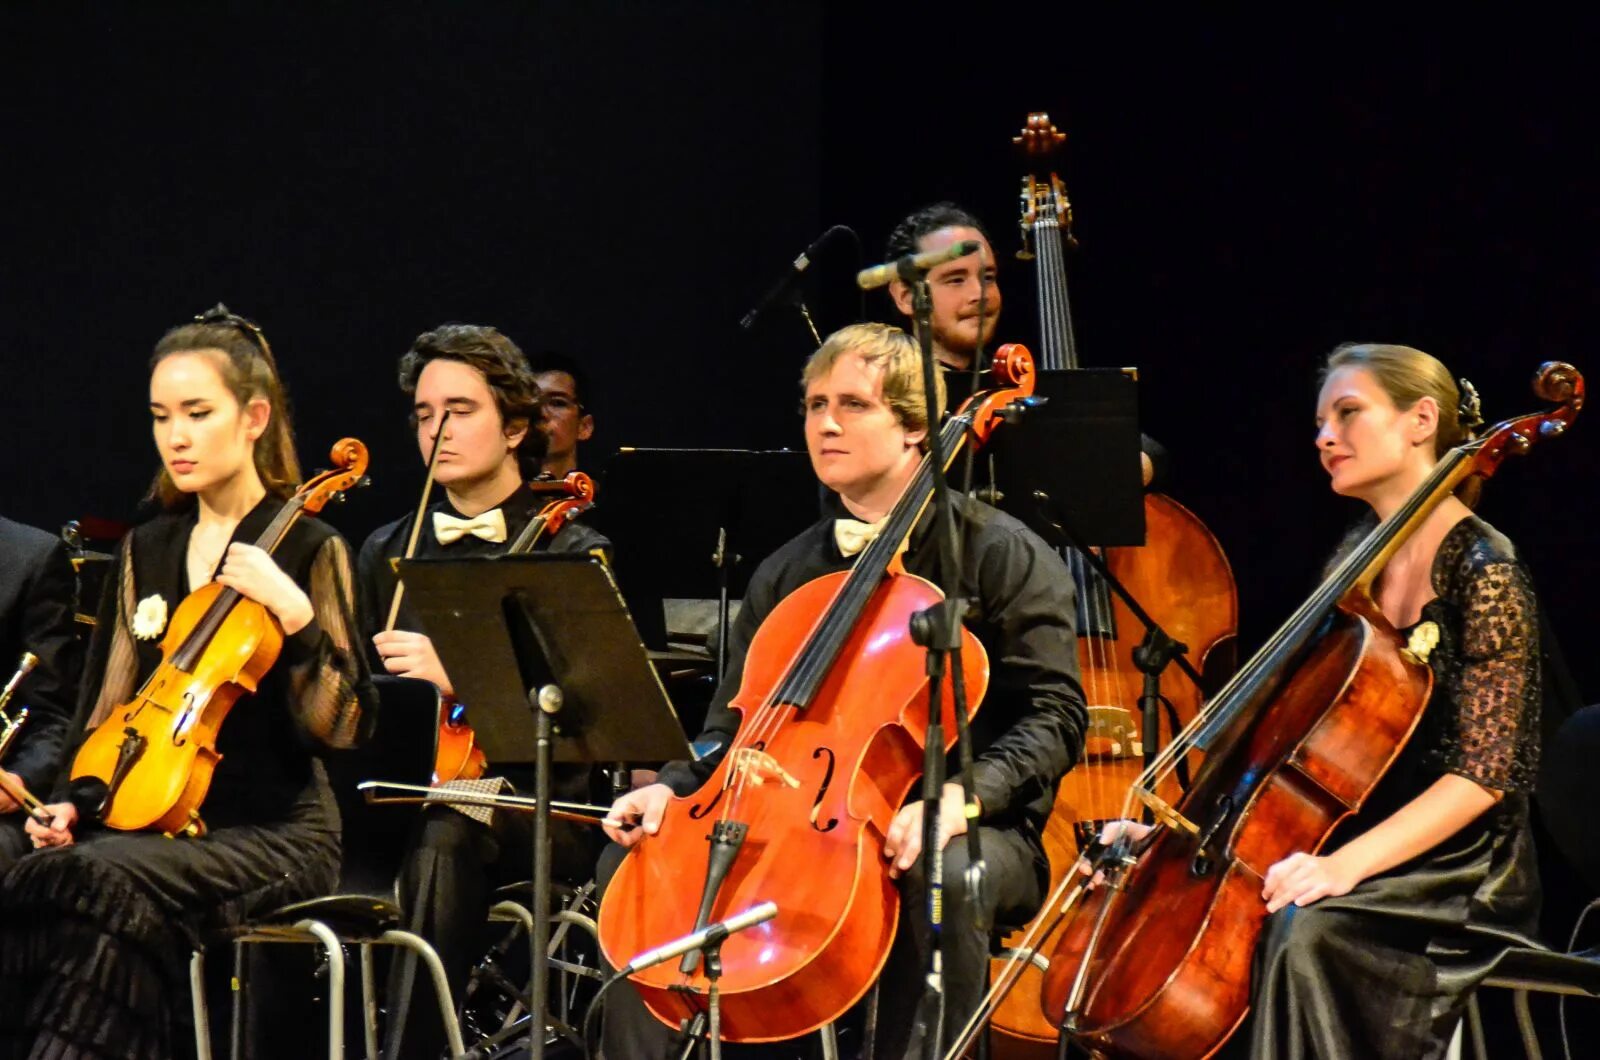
x=1493, y=673
x=331, y=697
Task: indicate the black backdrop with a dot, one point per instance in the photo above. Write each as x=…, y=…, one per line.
x=621, y=180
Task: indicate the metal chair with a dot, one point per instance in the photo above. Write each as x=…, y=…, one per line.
x=1569, y=790
x=363, y=912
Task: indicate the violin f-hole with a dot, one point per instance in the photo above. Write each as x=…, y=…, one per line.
x=827, y=778
x=178, y=730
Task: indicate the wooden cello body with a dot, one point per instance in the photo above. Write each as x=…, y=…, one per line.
x=158, y=752
x=1157, y=964
x=820, y=838
x=834, y=700
x=1180, y=576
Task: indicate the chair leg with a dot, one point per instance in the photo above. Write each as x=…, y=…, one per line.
x=1530, y=1036
x=197, y=998
x=517, y=911
x=1480, y=1049
x=447, y=1009
x=369, y=1003
x=830, y=1041
x=335, y=948
x=869, y=1033
x=236, y=1008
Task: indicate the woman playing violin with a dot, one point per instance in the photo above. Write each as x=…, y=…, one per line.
x=96, y=928
x=1372, y=946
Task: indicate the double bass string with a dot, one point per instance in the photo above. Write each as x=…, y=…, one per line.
x=1104, y=686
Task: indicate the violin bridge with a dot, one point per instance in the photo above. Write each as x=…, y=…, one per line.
x=1164, y=812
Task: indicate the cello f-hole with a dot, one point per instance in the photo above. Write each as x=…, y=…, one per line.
x=827, y=778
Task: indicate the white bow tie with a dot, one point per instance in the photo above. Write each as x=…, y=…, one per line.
x=852, y=535
x=490, y=526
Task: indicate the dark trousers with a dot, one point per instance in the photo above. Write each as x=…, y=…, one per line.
x=1013, y=892
x=452, y=868
x=14, y=842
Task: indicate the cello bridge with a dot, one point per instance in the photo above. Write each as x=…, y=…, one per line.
x=1164, y=812
x=754, y=766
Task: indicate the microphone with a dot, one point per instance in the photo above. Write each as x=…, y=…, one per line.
x=786, y=283
x=900, y=269
x=709, y=935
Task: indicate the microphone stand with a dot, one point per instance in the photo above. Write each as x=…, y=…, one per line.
x=938, y=630
x=706, y=1023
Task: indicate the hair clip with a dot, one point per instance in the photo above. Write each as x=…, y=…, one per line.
x=1469, y=410
x=221, y=314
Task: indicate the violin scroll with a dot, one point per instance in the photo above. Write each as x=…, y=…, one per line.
x=349, y=472
x=1014, y=378
x=574, y=484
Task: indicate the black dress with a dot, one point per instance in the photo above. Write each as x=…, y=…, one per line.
x=1385, y=970
x=95, y=937
x=36, y=608
x=455, y=860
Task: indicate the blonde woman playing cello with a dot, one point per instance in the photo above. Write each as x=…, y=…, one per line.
x=1372, y=947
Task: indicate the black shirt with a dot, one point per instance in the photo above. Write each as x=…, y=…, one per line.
x=36, y=614
x=1030, y=728
x=376, y=573
x=376, y=577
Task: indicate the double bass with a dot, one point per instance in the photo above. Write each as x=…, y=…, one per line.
x=156, y=753
x=834, y=699
x=1157, y=963
x=1181, y=578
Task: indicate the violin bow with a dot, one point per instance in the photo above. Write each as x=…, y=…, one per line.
x=416, y=523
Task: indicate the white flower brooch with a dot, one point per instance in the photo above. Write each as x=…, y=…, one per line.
x=1423, y=640
x=150, y=617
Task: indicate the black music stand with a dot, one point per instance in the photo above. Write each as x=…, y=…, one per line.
x=530, y=637
x=1080, y=447
x=676, y=539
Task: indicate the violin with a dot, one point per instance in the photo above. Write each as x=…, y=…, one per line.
x=1158, y=963
x=1181, y=578
x=834, y=698
x=156, y=753
x=457, y=755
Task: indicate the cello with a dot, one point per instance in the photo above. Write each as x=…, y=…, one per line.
x=1158, y=964
x=1180, y=576
x=834, y=697
x=457, y=755
x=156, y=753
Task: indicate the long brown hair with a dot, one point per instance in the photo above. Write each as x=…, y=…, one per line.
x=245, y=362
